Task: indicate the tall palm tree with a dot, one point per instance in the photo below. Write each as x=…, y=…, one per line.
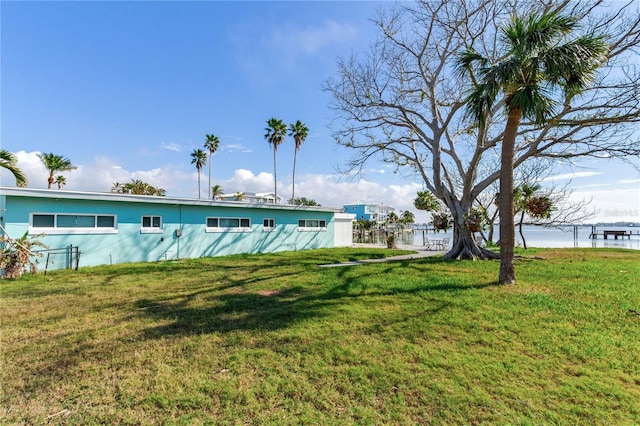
x=60, y=181
x=299, y=132
x=10, y=162
x=211, y=144
x=55, y=163
x=199, y=158
x=540, y=60
x=216, y=191
x=276, y=132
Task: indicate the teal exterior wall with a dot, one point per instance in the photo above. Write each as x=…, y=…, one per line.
x=183, y=233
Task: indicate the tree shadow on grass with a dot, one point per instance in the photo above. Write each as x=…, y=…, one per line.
x=391, y=274
x=242, y=307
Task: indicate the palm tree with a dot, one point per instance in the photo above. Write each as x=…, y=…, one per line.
x=117, y=187
x=299, y=132
x=216, y=192
x=60, y=181
x=10, y=162
x=276, y=131
x=199, y=158
x=239, y=196
x=137, y=187
x=407, y=217
x=211, y=144
x=539, y=61
x=55, y=163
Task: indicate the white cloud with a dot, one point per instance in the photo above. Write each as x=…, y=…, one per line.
x=171, y=146
x=32, y=167
x=236, y=147
x=245, y=181
x=613, y=205
x=595, y=185
x=568, y=176
x=100, y=174
x=377, y=171
x=627, y=181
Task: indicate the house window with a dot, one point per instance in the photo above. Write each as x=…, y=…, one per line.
x=43, y=221
x=59, y=223
x=312, y=224
x=268, y=224
x=151, y=224
x=228, y=224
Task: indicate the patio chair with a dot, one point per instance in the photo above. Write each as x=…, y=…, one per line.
x=428, y=244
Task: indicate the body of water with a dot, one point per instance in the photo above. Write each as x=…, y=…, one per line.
x=538, y=236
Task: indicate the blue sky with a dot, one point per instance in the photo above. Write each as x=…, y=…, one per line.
x=129, y=89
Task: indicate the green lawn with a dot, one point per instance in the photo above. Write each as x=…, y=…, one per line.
x=274, y=339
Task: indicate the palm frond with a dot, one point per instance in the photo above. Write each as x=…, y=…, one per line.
x=9, y=161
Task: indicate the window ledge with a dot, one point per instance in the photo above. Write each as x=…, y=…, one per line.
x=71, y=231
x=151, y=230
x=225, y=230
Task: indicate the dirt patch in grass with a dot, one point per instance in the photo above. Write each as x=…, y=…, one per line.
x=270, y=293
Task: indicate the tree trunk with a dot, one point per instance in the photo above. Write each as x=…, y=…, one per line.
x=209, y=190
x=506, y=205
x=524, y=242
x=198, y=184
x=293, y=187
x=275, y=178
x=465, y=246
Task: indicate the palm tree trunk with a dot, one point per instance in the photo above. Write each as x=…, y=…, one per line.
x=209, y=190
x=50, y=180
x=293, y=187
x=275, y=178
x=507, y=273
x=198, y=184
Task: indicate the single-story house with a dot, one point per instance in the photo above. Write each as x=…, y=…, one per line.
x=109, y=228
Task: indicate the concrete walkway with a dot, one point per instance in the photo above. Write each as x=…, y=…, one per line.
x=420, y=252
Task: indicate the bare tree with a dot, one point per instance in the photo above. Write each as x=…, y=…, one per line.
x=403, y=103
x=536, y=172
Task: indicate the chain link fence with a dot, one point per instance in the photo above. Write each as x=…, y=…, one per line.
x=59, y=258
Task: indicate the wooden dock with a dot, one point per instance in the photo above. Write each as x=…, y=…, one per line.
x=615, y=234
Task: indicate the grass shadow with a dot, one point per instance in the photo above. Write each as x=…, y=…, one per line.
x=240, y=304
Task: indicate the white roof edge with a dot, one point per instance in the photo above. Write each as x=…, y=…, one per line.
x=345, y=216
x=110, y=196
